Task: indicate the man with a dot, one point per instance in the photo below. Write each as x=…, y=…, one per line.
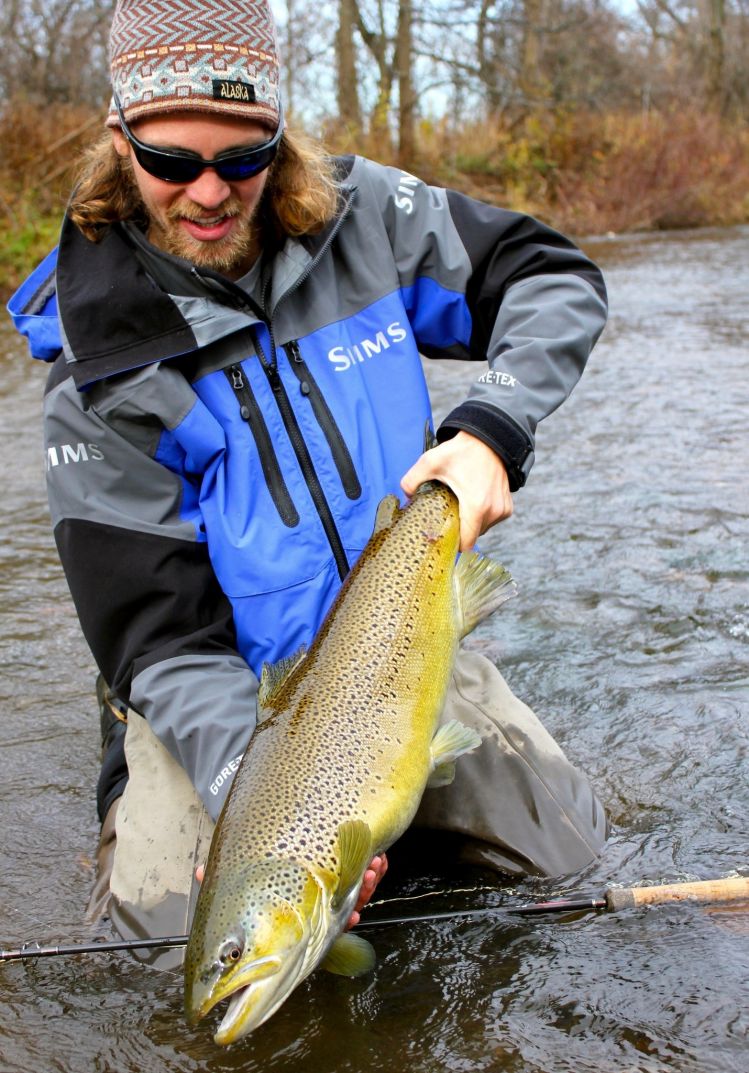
x=235, y=322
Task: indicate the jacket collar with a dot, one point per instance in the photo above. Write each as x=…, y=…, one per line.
x=123, y=303
x=114, y=317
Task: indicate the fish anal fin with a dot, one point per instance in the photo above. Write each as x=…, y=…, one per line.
x=354, y=854
x=452, y=740
x=272, y=678
x=350, y=955
x=482, y=585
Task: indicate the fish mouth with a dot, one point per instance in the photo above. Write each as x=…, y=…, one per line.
x=240, y=982
x=254, y=996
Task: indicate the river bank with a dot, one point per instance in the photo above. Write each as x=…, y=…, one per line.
x=583, y=173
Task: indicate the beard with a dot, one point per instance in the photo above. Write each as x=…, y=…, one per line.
x=231, y=255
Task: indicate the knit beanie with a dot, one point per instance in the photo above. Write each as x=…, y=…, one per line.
x=213, y=56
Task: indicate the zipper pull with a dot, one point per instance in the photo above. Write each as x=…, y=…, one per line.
x=238, y=383
x=296, y=355
x=274, y=378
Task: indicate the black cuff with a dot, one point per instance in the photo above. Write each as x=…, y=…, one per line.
x=497, y=431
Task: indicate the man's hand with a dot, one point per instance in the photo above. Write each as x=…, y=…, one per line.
x=372, y=877
x=477, y=476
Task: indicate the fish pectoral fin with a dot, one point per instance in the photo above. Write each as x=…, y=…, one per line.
x=442, y=775
x=451, y=741
x=273, y=676
x=350, y=955
x=482, y=586
x=354, y=854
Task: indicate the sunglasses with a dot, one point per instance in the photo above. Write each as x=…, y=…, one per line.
x=181, y=166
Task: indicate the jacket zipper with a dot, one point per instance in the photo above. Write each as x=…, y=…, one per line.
x=250, y=412
x=284, y=405
x=302, y=453
x=339, y=450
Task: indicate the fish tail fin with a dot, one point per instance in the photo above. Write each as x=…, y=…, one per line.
x=482, y=586
x=452, y=740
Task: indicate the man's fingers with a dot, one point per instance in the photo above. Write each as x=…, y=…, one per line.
x=469, y=534
x=372, y=877
x=476, y=475
x=417, y=475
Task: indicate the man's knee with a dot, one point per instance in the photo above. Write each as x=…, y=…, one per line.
x=519, y=803
x=153, y=838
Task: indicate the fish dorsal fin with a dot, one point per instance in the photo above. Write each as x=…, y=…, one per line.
x=273, y=676
x=430, y=440
x=350, y=955
x=452, y=740
x=482, y=586
x=387, y=512
x=354, y=854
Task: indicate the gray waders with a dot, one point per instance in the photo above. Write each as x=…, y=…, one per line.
x=518, y=804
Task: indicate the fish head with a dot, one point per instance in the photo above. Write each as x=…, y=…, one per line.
x=254, y=937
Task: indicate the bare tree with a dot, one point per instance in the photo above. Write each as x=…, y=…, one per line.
x=716, y=55
x=55, y=50
x=349, y=107
x=406, y=96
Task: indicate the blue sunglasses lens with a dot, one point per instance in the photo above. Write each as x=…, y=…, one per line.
x=234, y=170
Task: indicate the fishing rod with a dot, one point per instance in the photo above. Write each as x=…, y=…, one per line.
x=703, y=892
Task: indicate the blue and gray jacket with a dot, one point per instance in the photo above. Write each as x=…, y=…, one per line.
x=214, y=464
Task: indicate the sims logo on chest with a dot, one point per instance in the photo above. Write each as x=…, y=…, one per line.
x=343, y=357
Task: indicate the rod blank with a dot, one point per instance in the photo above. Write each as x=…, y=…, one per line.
x=34, y=950
x=703, y=892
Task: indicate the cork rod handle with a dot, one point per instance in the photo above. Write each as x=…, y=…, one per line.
x=709, y=890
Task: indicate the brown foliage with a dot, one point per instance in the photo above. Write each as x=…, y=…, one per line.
x=588, y=173
x=584, y=173
x=687, y=168
x=40, y=146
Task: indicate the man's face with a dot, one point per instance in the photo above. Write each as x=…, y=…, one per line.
x=209, y=221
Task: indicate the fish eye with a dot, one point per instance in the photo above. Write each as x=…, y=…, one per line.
x=230, y=952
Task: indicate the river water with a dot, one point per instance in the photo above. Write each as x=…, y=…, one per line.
x=630, y=638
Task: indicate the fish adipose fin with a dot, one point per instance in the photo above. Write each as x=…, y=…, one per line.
x=482, y=586
x=350, y=955
x=272, y=678
x=354, y=854
x=451, y=741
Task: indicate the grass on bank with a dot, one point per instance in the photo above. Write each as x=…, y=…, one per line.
x=583, y=173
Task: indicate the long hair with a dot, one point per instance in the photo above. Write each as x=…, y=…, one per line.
x=300, y=197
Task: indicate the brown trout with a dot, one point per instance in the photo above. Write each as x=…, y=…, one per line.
x=348, y=737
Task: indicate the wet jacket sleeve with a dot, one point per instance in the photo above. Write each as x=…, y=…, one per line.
x=484, y=283
x=128, y=529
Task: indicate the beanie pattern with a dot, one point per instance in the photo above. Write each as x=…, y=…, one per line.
x=194, y=55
